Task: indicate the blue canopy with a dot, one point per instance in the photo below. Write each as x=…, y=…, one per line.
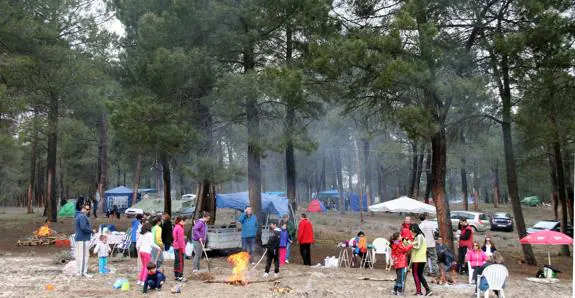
x=120, y=196
x=119, y=190
x=240, y=201
x=354, y=202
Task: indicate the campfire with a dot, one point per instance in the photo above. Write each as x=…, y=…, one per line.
x=44, y=231
x=240, y=262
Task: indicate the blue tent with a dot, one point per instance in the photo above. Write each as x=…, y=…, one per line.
x=329, y=198
x=120, y=196
x=354, y=202
x=240, y=201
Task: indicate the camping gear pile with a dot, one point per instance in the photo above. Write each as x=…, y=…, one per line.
x=42, y=236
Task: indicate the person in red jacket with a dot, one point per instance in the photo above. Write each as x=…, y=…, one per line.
x=305, y=239
x=465, y=243
x=399, y=251
x=405, y=229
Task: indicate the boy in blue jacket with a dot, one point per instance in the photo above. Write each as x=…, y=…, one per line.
x=249, y=223
x=82, y=238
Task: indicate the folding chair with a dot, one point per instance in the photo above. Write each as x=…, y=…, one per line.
x=124, y=245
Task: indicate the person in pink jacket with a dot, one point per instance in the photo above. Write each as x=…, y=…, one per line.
x=476, y=257
x=179, y=244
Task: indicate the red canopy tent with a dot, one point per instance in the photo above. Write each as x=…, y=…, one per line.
x=547, y=238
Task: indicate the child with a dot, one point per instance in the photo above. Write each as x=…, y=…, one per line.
x=360, y=245
x=103, y=250
x=273, y=251
x=285, y=240
x=179, y=244
x=155, y=279
x=398, y=252
x=145, y=245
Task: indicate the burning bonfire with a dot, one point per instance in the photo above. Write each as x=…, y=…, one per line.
x=44, y=231
x=240, y=262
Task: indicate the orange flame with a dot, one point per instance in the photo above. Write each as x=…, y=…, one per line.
x=240, y=262
x=43, y=231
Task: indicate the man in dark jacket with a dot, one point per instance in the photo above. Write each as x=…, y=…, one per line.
x=167, y=237
x=82, y=239
x=273, y=251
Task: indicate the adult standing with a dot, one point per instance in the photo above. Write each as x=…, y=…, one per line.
x=82, y=239
x=199, y=237
x=465, y=243
x=95, y=207
x=249, y=223
x=291, y=232
x=79, y=203
x=429, y=228
x=179, y=241
x=418, y=259
x=136, y=226
x=167, y=238
x=305, y=239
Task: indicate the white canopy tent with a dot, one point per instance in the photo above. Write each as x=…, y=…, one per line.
x=403, y=204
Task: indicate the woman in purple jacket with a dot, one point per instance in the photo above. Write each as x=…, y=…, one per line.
x=199, y=237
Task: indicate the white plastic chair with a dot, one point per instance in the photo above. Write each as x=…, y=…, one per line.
x=496, y=275
x=381, y=247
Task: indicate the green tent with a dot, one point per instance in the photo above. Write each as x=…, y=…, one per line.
x=68, y=210
x=531, y=201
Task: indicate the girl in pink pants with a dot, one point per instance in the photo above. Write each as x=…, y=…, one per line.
x=145, y=244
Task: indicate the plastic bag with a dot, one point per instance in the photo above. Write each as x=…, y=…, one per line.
x=189, y=249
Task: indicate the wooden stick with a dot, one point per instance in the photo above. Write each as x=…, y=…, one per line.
x=375, y=279
x=249, y=282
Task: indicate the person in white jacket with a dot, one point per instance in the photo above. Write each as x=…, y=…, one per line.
x=429, y=228
x=144, y=245
x=103, y=250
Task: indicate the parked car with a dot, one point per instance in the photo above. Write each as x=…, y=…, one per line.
x=502, y=221
x=549, y=225
x=477, y=220
x=132, y=212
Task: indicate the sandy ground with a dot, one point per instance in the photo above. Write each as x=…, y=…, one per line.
x=28, y=270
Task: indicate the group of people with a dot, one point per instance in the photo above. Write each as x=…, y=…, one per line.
x=419, y=246
x=150, y=236
x=281, y=237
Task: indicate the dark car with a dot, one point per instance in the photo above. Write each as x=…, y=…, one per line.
x=549, y=225
x=502, y=221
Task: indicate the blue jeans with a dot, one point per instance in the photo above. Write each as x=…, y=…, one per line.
x=103, y=265
x=288, y=251
x=248, y=245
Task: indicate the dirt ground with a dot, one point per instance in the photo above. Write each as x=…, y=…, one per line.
x=28, y=270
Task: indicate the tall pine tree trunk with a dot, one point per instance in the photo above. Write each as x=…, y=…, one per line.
x=339, y=174
x=103, y=156
x=428, y=176
x=475, y=185
x=439, y=169
x=136, y=178
x=561, y=189
x=52, y=201
x=380, y=182
x=496, y=187
x=413, y=171
x=464, y=186
x=568, y=162
x=165, y=162
x=33, y=158
x=503, y=82
x=359, y=182
x=367, y=175
x=254, y=146
x=417, y=184
x=290, y=158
